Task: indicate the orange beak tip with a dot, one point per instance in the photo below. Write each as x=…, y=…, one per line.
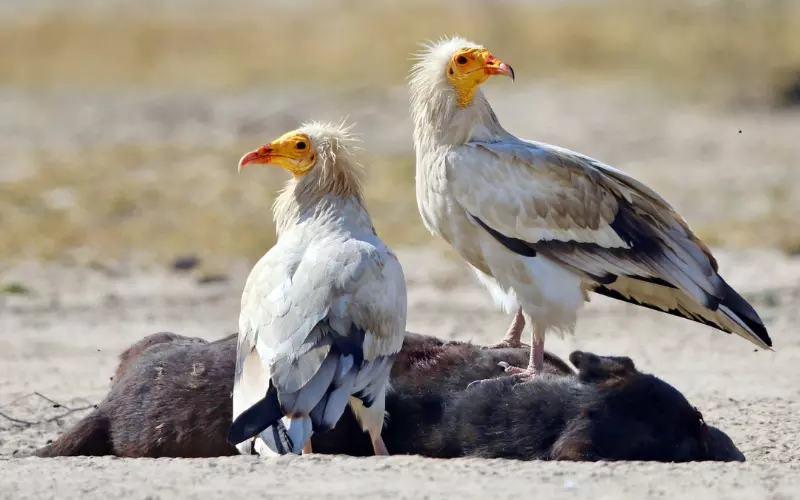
x=247, y=159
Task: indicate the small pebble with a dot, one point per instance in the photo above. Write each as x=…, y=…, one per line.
x=211, y=278
x=185, y=262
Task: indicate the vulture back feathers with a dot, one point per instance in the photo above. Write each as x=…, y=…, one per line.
x=323, y=312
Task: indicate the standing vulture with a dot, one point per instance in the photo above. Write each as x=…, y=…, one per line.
x=542, y=225
x=323, y=312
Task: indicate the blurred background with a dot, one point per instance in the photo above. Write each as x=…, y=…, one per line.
x=121, y=123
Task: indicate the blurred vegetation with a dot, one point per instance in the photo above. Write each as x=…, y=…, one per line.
x=98, y=204
x=101, y=202
x=14, y=288
x=725, y=47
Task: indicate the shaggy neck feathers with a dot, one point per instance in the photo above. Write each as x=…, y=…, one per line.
x=334, y=181
x=440, y=116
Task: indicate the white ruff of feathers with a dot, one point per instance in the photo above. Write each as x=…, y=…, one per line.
x=336, y=174
x=434, y=110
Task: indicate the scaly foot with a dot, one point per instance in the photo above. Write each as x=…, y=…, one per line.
x=506, y=344
x=521, y=374
x=535, y=365
x=513, y=335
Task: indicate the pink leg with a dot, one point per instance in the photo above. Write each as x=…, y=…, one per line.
x=535, y=363
x=378, y=447
x=514, y=334
x=307, y=448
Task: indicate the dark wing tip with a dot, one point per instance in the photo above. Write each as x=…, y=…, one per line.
x=745, y=312
x=255, y=419
x=731, y=300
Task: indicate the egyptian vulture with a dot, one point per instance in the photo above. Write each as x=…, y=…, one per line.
x=323, y=312
x=542, y=225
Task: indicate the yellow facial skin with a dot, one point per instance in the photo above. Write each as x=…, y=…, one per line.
x=469, y=68
x=292, y=151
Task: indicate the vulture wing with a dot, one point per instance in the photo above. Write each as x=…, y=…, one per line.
x=618, y=234
x=320, y=322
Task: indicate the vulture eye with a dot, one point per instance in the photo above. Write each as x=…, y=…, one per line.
x=300, y=145
x=461, y=60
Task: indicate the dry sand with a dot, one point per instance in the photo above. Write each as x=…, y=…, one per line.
x=62, y=341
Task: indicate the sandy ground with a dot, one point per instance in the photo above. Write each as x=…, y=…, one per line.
x=62, y=342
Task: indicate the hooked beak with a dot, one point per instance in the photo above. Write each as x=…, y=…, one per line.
x=260, y=156
x=495, y=66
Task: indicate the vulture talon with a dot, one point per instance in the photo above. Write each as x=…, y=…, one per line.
x=476, y=383
x=506, y=344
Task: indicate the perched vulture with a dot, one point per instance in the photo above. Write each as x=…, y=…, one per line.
x=542, y=225
x=323, y=312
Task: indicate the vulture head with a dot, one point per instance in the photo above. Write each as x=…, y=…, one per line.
x=293, y=151
x=459, y=65
x=321, y=158
x=316, y=146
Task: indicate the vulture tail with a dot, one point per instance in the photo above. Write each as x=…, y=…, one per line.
x=731, y=313
x=309, y=393
x=288, y=435
x=256, y=418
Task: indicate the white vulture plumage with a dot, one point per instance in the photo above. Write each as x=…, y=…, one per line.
x=323, y=312
x=542, y=225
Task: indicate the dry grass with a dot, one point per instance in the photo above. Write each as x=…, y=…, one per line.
x=732, y=48
x=95, y=205
x=776, y=226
